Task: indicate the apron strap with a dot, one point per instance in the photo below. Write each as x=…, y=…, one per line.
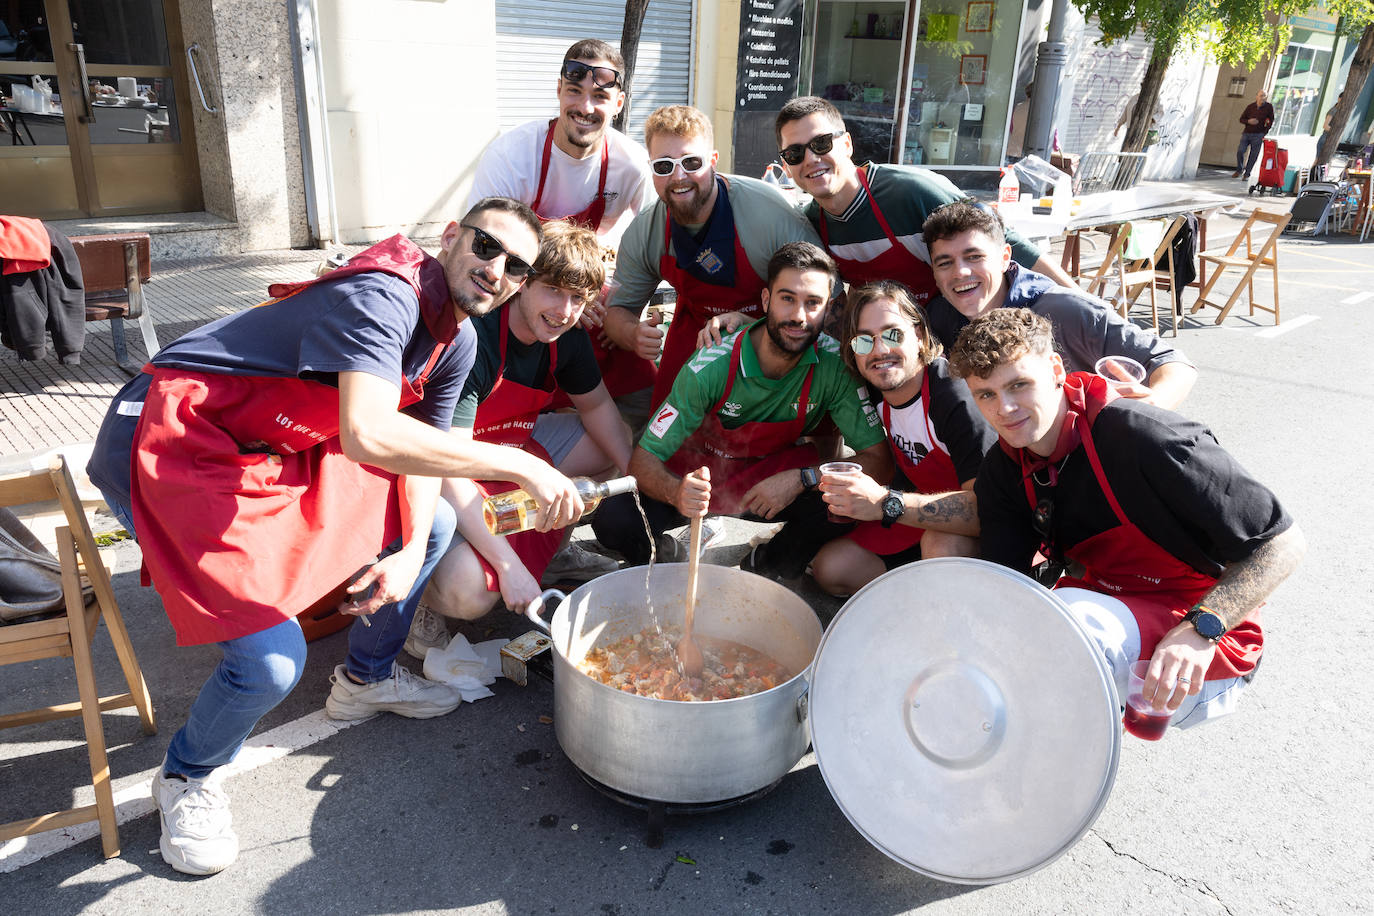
x=1085, y=429
x=544, y=166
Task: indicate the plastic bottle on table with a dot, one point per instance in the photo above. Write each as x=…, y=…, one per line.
x=1008, y=190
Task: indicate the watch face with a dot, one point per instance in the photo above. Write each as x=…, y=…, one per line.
x=893, y=506
x=1209, y=626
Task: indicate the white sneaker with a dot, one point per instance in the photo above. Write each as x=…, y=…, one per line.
x=712, y=533
x=427, y=631
x=197, y=838
x=403, y=693
x=576, y=563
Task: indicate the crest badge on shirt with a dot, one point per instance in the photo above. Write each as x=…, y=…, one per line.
x=709, y=261
x=663, y=420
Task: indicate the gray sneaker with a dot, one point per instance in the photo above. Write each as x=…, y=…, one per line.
x=403, y=693
x=578, y=564
x=427, y=631
x=712, y=533
x=197, y=838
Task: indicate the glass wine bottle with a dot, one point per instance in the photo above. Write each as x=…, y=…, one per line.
x=513, y=511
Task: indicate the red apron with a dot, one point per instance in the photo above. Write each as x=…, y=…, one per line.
x=246, y=508
x=506, y=416
x=698, y=302
x=741, y=457
x=621, y=370
x=1158, y=587
x=591, y=216
x=935, y=474
x=897, y=263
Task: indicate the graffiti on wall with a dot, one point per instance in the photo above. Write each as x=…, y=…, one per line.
x=1105, y=81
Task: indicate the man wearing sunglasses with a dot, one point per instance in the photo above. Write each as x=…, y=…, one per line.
x=976, y=274
x=870, y=216
x=1179, y=546
x=267, y=457
x=726, y=437
x=937, y=438
x=709, y=235
x=576, y=167
x=527, y=353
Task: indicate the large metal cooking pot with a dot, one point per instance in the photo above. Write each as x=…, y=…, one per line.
x=963, y=719
x=668, y=750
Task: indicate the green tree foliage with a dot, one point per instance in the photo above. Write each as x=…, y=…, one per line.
x=1233, y=31
x=1357, y=17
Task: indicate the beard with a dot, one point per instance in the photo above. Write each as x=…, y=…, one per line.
x=786, y=345
x=474, y=306
x=691, y=210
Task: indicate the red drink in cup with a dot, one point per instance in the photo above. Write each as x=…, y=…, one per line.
x=1142, y=719
x=1143, y=722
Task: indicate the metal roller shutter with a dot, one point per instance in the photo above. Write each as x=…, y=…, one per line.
x=531, y=36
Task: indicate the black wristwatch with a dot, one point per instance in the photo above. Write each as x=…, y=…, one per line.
x=893, y=508
x=811, y=478
x=1208, y=625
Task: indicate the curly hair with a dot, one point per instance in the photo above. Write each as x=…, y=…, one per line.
x=901, y=297
x=679, y=121
x=959, y=217
x=570, y=257
x=999, y=337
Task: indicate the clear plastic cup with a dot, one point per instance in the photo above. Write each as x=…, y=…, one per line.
x=1142, y=719
x=833, y=470
x=1120, y=370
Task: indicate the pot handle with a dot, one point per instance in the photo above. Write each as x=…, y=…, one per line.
x=804, y=703
x=537, y=606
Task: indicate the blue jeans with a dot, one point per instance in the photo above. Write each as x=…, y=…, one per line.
x=260, y=669
x=1247, y=152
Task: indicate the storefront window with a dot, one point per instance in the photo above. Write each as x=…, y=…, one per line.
x=961, y=79
x=1297, y=86
x=857, y=66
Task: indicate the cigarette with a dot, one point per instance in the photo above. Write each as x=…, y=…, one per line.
x=363, y=618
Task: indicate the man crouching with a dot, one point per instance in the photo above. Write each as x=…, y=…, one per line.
x=1179, y=545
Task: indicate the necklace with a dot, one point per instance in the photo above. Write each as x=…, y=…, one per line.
x=1051, y=473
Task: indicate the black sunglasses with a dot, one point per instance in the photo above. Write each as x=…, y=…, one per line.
x=574, y=71
x=819, y=144
x=486, y=247
x=690, y=164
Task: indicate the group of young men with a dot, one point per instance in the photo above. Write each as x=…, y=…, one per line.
x=266, y=457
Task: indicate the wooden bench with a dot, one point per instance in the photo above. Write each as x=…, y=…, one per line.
x=114, y=269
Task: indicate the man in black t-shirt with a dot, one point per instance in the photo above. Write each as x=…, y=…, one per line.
x=527, y=353
x=1179, y=545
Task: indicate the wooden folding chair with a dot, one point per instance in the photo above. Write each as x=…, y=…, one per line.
x=68, y=633
x=114, y=269
x=1265, y=254
x=1145, y=274
x=1101, y=274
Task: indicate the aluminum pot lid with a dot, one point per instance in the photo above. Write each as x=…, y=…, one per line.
x=963, y=721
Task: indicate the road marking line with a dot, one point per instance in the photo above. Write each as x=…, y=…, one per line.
x=1299, y=252
x=1358, y=297
x=133, y=798
x=1285, y=328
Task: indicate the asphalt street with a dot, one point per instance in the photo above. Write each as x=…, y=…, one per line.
x=1268, y=811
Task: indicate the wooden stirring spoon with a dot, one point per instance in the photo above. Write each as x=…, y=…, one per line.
x=688, y=653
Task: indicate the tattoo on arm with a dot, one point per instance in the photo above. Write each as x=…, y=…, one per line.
x=955, y=512
x=1243, y=586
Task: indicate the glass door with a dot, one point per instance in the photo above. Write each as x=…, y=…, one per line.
x=105, y=129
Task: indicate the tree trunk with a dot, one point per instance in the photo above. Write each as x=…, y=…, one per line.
x=1360, y=66
x=1138, y=128
x=629, y=49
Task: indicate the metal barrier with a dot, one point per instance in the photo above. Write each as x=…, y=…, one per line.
x=1108, y=171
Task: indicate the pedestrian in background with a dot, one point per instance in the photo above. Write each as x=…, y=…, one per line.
x=1257, y=117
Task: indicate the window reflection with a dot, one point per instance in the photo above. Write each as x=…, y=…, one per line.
x=28, y=116
x=129, y=32
x=24, y=31
x=133, y=110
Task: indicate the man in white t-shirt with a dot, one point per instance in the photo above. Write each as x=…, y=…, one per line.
x=574, y=166
x=577, y=167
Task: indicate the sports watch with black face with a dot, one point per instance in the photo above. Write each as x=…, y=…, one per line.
x=1208, y=625
x=811, y=478
x=893, y=508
